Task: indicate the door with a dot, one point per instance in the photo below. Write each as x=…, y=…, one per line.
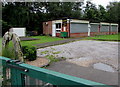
x=53, y=30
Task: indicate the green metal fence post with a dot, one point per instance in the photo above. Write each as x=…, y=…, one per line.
x=17, y=78
x=4, y=73
x=20, y=79
x=13, y=77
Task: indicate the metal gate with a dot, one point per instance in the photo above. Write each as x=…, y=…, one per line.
x=16, y=73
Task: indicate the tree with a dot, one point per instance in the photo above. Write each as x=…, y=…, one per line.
x=102, y=13
x=76, y=10
x=63, y=9
x=58, y=9
x=113, y=12
x=22, y=14
x=32, y=14
x=90, y=11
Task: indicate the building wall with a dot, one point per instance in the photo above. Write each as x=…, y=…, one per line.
x=113, y=32
x=91, y=34
x=47, y=28
x=102, y=33
x=78, y=28
x=78, y=34
x=57, y=34
x=19, y=31
x=55, y=30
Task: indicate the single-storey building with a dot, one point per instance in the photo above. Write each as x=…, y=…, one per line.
x=113, y=28
x=77, y=28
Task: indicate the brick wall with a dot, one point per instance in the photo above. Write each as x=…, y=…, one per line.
x=78, y=34
x=91, y=34
x=57, y=34
x=47, y=28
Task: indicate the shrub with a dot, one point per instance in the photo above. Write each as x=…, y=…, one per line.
x=29, y=52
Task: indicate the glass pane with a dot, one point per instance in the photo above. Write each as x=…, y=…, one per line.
x=32, y=81
x=58, y=25
x=6, y=80
x=1, y=73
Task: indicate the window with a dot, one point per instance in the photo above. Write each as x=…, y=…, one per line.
x=58, y=25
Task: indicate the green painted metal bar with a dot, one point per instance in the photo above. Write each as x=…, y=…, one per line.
x=4, y=72
x=13, y=77
x=52, y=77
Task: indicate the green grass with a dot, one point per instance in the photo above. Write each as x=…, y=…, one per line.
x=42, y=39
x=9, y=52
x=105, y=37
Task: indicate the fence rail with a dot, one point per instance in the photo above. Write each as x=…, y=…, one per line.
x=21, y=74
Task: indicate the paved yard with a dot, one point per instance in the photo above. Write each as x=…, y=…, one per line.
x=88, y=73
x=88, y=59
x=87, y=52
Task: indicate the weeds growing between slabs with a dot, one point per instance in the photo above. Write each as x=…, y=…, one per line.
x=52, y=55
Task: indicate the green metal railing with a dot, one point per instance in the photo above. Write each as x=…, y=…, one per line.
x=20, y=74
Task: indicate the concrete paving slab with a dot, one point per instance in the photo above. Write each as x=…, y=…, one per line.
x=86, y=52
x=100, y=76
x=81, y=57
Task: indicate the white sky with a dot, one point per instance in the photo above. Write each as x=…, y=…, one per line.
x=102, y=2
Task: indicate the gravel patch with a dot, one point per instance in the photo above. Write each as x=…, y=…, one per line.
x=39, y=62
x=86, y=52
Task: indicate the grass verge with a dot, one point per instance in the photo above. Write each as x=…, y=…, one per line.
x=105, y=37
x=42, y=39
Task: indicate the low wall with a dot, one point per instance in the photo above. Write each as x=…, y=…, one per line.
x=79, y=34
x=91, y=34
x=57, y=34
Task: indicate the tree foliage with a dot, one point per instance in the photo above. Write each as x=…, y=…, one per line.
x=32, y=14
x=114, y=11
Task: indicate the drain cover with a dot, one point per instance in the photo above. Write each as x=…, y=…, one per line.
x=104, y=67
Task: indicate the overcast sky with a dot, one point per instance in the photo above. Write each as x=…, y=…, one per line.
x=102, y=2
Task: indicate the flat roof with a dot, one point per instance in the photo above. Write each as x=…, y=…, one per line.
x=104, y=23
x=94, y=23
x=78, y=21
x=114, y=24
x=72, y=20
